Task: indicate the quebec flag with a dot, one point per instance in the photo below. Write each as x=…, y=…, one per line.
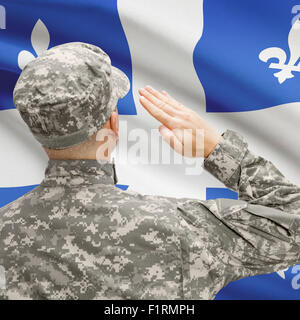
x=234, y=62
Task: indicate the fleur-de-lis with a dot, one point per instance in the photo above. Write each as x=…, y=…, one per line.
x=40, y=40
x=286, y=67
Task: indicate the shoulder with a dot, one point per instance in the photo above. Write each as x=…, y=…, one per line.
x=144, y=200
x=162, y=210
x=18, y=207
x=11, y=209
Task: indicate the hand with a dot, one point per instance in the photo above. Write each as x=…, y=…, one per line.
x=182, y=128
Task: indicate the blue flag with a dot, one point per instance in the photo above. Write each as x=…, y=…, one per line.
x=247, y=57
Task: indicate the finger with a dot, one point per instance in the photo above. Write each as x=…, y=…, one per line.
x=175, y=103
x=169, y=136
x=157, y=94
x=159, y=103
x=159, y=114
x=172, y=100
x=165, y=93
x=165, y=98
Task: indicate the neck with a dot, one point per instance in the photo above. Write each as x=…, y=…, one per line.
x=88, y=150
x=97, y=147
x=77, y=153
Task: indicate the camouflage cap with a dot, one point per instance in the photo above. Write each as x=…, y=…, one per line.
x=68, y=93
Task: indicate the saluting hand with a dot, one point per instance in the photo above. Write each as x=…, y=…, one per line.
x=185, y=131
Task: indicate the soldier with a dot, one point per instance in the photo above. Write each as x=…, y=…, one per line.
x=77, y=236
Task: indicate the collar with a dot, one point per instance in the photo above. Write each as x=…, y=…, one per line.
x=77, y=172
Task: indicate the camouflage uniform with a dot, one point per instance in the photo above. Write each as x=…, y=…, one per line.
x=77, y=236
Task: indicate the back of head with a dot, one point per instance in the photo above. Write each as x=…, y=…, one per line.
x=68, y=93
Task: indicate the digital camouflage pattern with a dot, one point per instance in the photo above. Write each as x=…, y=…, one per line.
x=77, y=236
x=68, y=93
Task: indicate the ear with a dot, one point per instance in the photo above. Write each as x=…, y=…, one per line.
x=114, y=122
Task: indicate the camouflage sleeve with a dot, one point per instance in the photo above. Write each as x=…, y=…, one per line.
x=256, y=179
x=227, y=240
x=260, y=232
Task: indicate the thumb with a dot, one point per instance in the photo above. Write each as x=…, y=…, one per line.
x=169, y=136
